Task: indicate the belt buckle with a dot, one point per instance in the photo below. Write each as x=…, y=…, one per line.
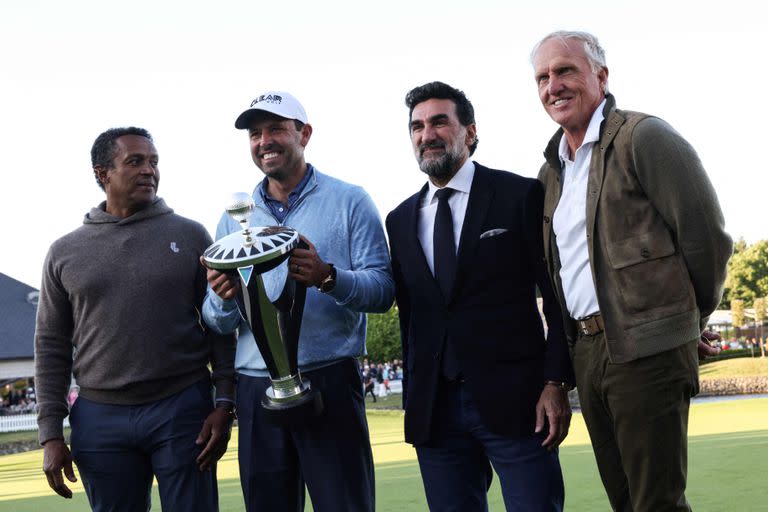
x=589, y=326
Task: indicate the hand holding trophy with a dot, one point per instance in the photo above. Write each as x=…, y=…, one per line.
x=275, y=325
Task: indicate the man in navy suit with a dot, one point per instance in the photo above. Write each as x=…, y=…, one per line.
x=483, y=385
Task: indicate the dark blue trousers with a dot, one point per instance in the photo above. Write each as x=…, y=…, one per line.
x=455, y=463
x=119, y=448
x=330, y=455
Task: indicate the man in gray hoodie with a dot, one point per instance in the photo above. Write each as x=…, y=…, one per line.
x=120, y=309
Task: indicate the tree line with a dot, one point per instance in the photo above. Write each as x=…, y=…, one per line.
x=746, y=285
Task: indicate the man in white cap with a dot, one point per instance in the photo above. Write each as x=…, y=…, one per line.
x=347, y=273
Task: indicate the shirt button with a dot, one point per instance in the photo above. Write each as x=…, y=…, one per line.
x=280, y=209
x=645, y=253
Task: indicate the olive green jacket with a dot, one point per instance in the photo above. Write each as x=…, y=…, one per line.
x=657, y=246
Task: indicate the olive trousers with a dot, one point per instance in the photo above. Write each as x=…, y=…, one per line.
x=637, y=417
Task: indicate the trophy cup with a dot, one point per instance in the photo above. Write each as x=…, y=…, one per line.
x=275, y=325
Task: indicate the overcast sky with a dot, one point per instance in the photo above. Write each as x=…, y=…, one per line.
x=185, y=70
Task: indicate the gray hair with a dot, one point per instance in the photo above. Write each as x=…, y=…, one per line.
x=593, y=50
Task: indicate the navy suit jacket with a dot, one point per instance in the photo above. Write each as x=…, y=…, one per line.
x=491, y=316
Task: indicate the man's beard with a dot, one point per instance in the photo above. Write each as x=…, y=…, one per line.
x=443, y=166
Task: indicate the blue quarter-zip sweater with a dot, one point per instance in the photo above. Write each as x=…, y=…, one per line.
x=343, y=224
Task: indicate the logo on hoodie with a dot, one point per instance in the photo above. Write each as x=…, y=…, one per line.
x=174, y=247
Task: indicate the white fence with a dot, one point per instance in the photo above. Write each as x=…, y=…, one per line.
x=395, y=386
x=19, y=422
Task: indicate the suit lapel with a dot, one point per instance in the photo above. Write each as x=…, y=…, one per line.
x=415, y=254
x=480, y=196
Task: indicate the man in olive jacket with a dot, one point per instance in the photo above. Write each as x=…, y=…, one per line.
x=636, y=249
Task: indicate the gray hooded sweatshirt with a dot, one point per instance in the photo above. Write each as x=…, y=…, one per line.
x=119, y=307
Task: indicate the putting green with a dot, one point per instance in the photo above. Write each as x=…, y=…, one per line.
x=726, y=425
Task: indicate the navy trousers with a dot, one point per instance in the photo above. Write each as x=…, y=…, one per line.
x=330, y=455
x=455, y=463
x=119, y=448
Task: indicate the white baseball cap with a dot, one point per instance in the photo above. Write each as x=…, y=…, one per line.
x=281, y=104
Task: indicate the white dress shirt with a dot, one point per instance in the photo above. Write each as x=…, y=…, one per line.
x=461, y=183
x=570, y=224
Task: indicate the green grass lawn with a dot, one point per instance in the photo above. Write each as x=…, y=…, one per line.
x=393, y=401
x=738, y=367
x=728, y=467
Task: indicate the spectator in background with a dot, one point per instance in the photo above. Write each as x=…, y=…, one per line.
x=373, y=371
x=369, y=384
x=380, y=378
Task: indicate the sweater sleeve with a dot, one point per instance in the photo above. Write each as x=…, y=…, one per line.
x=222, y=316
x=222, y=342
x=53, y=353
x=368, y=285
x=223, y=364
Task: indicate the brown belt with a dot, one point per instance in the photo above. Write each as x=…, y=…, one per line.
x=591, y=325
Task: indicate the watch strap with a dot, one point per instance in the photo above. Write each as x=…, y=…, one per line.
x=328, y=284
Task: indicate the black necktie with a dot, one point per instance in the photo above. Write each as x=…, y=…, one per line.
x=444, y=246
x=445, y=271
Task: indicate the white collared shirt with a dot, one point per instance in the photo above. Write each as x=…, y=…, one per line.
x=461, y=183
x=570, y=223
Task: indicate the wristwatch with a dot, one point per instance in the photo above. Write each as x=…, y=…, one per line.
x=228, y=407
x=329, y=283
x=562, y=385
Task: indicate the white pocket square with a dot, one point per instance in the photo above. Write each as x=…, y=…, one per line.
x=493, y=232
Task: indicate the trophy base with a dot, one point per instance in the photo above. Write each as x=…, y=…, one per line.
x=293, y=412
